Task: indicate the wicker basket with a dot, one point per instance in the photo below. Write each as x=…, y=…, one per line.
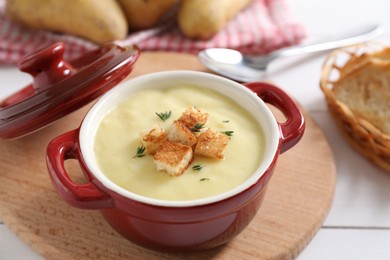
x=361, y=134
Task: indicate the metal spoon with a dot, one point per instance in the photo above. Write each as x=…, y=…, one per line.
x=232, y=64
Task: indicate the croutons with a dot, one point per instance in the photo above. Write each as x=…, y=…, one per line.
x=174, y=151
x=193, y=116
x=173, y=158
x=153, y=138
x=181, y=134
x=211, y=144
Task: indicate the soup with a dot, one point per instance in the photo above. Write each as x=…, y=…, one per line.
x=118, y=140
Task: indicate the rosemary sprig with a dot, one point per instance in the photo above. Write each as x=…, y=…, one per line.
x=197, y=128
x=228, y=133
x=197, y=167
x=140, y=152
x=164, y=115
x=204, y=179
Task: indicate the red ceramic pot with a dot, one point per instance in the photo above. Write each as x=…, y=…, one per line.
x=175, y=225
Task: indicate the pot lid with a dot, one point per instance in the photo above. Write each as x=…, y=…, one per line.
x=60, y=87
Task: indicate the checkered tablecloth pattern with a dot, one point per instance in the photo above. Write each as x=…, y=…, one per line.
x=263, y=26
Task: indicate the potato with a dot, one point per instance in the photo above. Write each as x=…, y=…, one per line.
x=143, y=14
x=100, y=21
x=204, y=18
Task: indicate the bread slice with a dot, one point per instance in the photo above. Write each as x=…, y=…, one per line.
x=366, y=91
x=356, y=83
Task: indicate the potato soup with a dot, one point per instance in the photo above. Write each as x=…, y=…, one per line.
x=117, y=142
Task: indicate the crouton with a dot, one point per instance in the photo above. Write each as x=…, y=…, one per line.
x=153, y=138
x=193, y=116
x=181, y=134
x=211, y=144
x=173, y=158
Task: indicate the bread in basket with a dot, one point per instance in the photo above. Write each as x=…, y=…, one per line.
x=356, y=84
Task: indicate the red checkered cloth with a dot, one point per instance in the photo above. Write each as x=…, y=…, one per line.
x=262, y=27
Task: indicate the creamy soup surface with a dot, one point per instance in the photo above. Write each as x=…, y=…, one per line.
x=118, y=137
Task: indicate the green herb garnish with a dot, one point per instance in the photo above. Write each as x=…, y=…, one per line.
x=204, y=179
x=164, y=115
x=228, y=133
x=197, y=128
x=140, y=152
x=197, y=167
x=225, y=121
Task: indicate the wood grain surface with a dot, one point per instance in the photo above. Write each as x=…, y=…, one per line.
x=298, y=199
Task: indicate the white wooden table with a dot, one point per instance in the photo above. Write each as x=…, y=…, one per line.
x=358, y=224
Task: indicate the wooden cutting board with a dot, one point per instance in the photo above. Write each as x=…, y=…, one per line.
x=298, y=198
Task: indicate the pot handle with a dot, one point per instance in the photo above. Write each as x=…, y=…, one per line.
x=85, y=196
x=292, y=129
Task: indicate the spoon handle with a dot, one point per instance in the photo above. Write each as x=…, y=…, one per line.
x=353, y=37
